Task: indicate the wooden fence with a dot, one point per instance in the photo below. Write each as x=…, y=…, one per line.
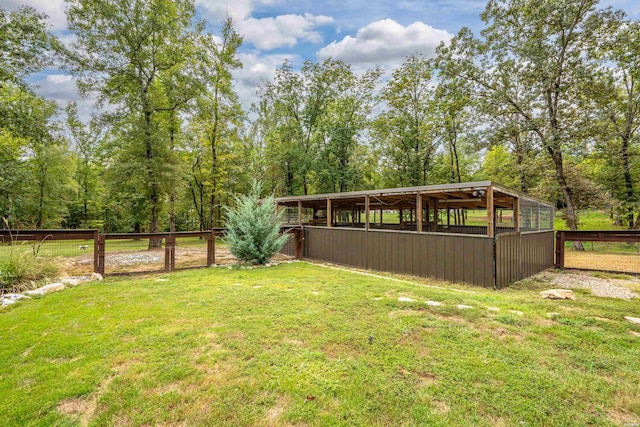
x=615, y=251
x=169, y=242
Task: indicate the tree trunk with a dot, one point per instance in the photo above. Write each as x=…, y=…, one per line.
x=628, y=182
x=154, y=196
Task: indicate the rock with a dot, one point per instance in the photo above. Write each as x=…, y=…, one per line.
x=405, y=299
x=464, y=307
x=47, y=289
x=553, y=315
x=635, y=320
x=15, y=297
x=558, y=294
x=6, y=302
x=70, y=281
x=96, y=276
x=493, y=309
x=635, y=334
x=433, y=303
x=377, y=299
x=516, y=312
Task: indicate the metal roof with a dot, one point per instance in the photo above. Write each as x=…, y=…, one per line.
x=442, y=189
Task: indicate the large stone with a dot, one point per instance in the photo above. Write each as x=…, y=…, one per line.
x=47, y=289
x=635, y=320
x=558, y=294
x=70, y=281
x=96, y=276
x=15, y=297
x=405, y=299
x=433, y=303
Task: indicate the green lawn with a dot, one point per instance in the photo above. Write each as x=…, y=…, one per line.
x=289, y=345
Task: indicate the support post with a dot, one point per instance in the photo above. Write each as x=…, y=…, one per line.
x=329, y=214
x=211, y=249
x=298, y=236
x=490, y=213
x=170, y=253
x=299, y=212
x=419, y=212
x=434, y=224
x=367, y=205
x=96, y=251
x=400, y=217
x=516, y=215
x=380, y=216
x=101, y=253
x=560, y=249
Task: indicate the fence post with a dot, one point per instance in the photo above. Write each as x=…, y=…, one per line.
x=169, y=253
x=211, y=248
x=101, y=253
x=298, y=236
x=560, y=249
x=96, y=251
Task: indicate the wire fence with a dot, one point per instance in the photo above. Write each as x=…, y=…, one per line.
x=613, y=251
x=82, y=252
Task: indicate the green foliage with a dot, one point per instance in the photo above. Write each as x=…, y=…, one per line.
x=20, y=264
x=253, y=227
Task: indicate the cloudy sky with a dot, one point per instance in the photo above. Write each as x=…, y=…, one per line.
x=360, y=32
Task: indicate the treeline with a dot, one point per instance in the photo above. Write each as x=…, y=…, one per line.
x=545, y=100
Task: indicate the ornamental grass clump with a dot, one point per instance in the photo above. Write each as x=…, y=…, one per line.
x=253, y=227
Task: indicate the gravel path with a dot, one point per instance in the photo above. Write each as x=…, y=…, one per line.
x=601, y=287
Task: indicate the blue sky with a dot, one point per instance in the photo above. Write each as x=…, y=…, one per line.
x=360, y=32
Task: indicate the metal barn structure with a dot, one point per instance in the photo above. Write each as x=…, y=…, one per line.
x=479, y=233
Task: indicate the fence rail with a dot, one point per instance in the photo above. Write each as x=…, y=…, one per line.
x=610, y=250
x=80, y=241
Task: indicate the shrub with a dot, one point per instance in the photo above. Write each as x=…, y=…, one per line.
x=253, y=227
x=19, y=266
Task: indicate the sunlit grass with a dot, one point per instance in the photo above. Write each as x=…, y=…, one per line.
x=300, y=344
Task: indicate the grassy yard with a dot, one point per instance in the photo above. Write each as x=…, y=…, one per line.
x=289, y=345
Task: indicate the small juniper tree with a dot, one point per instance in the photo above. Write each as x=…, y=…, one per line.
x=253, y=227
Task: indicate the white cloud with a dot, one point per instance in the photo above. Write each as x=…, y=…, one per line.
x=61, y=88
x=282, y=30
x=53, y=8
x=256, y=69
x=386, y=43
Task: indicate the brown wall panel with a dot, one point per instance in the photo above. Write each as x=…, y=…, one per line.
x=455, y=258
x=522, y=255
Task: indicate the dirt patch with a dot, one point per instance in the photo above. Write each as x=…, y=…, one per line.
x=505, y=334
x=426, y=379
x=404, y=313
x=440, y=407
x=623, y=418
x=273, y=415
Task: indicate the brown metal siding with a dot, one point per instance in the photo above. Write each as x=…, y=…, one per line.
x=522, y=255
x=454, y=258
